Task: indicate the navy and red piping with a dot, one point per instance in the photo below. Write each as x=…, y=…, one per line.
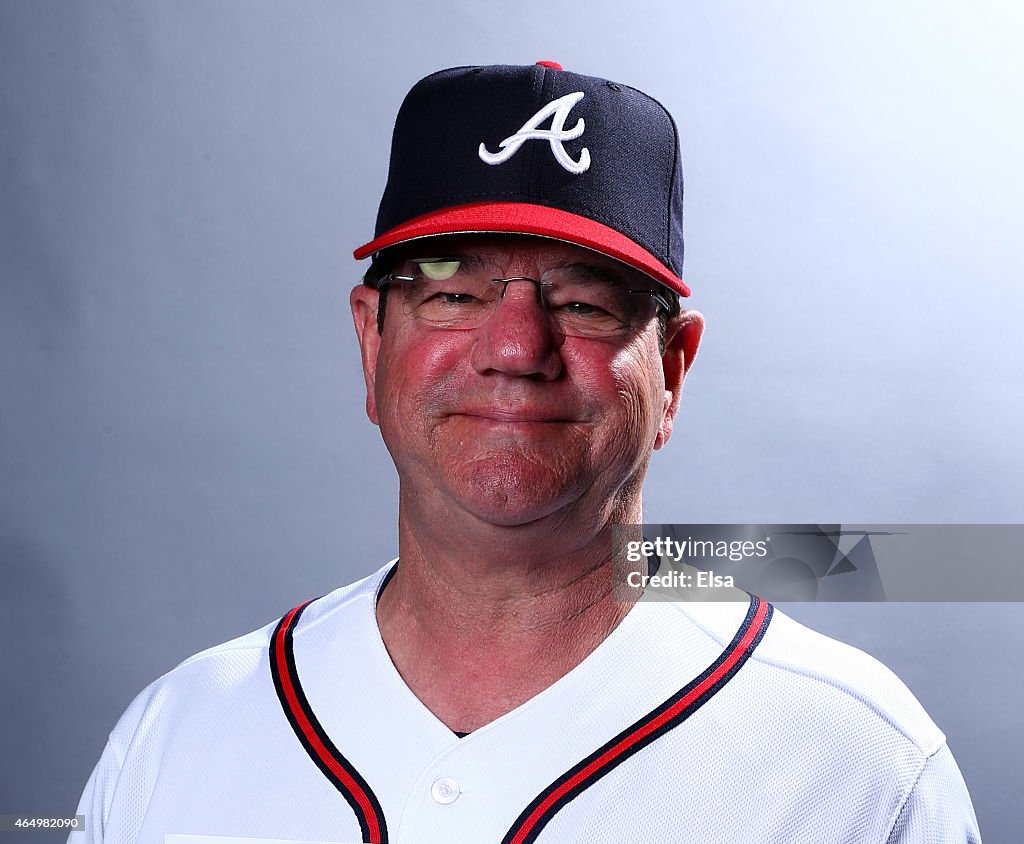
x=559, y=793
x=311, y=734
x=652, y=726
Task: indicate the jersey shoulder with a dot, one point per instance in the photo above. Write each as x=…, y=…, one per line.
x=807, y=670
x=839, y=669
x=838, y=733
x=227, y=670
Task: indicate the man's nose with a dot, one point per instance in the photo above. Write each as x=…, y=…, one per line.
x=519, y=338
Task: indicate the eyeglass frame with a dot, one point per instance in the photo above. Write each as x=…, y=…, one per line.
x=660, y=301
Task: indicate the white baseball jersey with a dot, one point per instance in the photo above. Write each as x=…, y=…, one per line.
x=697, y=723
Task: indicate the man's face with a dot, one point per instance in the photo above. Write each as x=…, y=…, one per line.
x=512, y=421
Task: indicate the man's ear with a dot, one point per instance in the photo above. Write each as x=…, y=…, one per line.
x=682, y=338
x=364, y=301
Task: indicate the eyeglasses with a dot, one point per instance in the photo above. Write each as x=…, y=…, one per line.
x=459, y=294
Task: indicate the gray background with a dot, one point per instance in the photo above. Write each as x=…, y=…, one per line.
x=183, y=450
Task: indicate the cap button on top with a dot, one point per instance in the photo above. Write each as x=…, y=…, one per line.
x=551, y=64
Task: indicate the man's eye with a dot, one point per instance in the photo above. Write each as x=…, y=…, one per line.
x=580, y=308
x=583, y=309
x=446, y=295
x=457, y=298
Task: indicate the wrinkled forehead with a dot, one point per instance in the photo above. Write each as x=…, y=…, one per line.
x=514, y=254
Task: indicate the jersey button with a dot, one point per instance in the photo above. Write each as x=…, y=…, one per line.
x=445, y=791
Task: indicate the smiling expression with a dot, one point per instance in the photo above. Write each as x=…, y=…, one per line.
x=512, y=421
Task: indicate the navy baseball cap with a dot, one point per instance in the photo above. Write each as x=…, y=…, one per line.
x=542, y=151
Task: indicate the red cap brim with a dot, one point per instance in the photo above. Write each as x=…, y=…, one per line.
x=526, y=218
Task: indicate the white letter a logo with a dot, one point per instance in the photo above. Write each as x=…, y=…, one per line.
x=558, y=110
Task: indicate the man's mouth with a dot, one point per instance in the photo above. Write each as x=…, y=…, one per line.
x=497, y=414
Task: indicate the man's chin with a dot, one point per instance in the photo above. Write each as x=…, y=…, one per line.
x=514, y=491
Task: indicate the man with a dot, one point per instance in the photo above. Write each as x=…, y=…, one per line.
x=524, y=353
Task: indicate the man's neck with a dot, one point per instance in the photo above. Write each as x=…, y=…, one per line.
x=476, y=635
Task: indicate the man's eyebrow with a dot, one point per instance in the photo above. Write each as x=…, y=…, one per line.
x=595, y=272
